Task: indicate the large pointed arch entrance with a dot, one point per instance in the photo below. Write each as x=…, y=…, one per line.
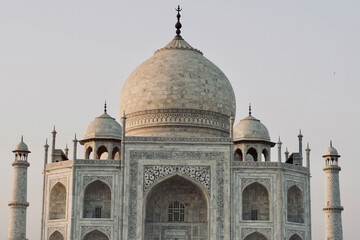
x=176, y=208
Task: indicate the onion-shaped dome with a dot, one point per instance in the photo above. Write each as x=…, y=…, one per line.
x=21, y=147
x=177, y=92
x=331, y=151
x=251, y=128
x=103, y=127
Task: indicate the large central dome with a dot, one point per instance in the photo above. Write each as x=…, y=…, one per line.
x=177, y=92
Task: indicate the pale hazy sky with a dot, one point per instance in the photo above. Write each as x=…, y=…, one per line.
x=60, y=60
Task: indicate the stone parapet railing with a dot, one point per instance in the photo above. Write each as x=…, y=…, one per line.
x=177, y=139
x=238, y=164
x=82, y=162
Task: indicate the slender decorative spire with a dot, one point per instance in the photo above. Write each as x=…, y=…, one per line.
x=307, y=150
x=105, y=108
x=66, y=150
x=300, y=135
x=22, y=138
x=46, y=146
x=330, y=143
x=75, y=141
x=249, y=109
x=286, y=154
x=279, y=143
x=178, y=24
x=53, y=144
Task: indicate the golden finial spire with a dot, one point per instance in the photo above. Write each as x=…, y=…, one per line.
x=178, y=24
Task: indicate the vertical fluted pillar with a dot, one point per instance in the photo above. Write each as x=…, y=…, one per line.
x=231, y=127
x=333, y=208
x=18, y=203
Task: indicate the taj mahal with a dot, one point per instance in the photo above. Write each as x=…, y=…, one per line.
x=177, y=167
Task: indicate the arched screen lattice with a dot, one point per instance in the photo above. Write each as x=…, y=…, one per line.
x=255, y=203
x=97, y=200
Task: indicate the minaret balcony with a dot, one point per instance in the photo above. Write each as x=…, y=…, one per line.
x=334, y=208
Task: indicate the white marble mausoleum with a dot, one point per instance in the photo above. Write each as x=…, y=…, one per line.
x=177, y=167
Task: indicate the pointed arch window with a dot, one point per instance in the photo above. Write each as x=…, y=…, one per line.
x=238, y=155
x=97, y=200
x=265, y=155
x=102, y=153
x=176, y=212
x=57, y=207
x=255, y=203
x=56, y=236
x=295, y=237
x=295, y=205
x=88, y=153
x=95, y=235
x=116, y=154
x=255, y=236
x=251, y=155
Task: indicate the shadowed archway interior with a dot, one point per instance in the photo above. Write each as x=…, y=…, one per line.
x=255, y=203
x=95, y=235
x=97, y=200
x=176, y=209
x=295, y=205
x=295, y=237
x=56, y=236
x=256, y=236
x=57, y=202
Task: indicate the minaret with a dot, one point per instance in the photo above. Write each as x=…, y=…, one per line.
x=333, y=208
x=18, y=204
